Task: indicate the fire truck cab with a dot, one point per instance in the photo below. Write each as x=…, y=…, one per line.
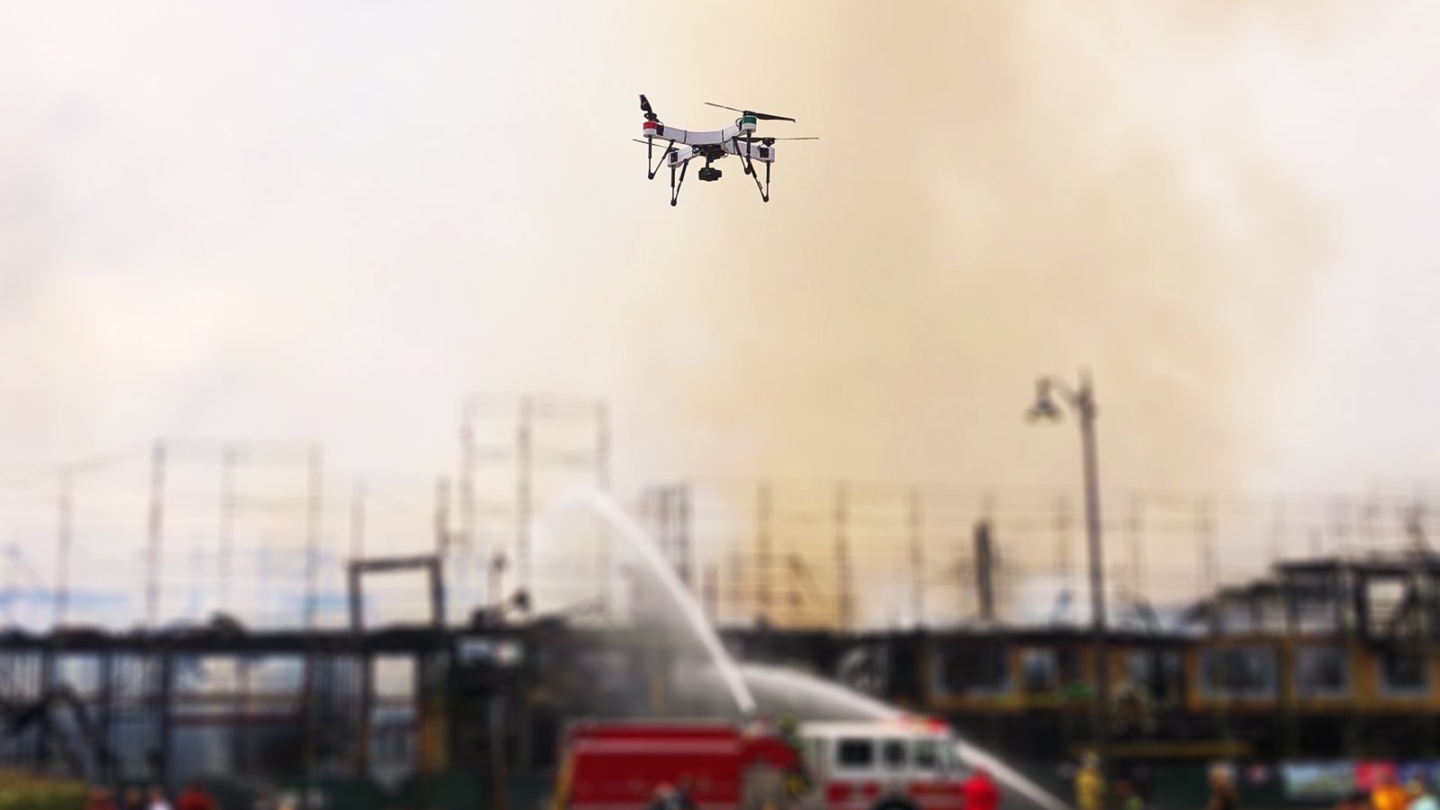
x=903, y=764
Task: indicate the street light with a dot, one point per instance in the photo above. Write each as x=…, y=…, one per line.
x=1081, y=403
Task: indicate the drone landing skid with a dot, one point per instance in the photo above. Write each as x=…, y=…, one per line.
x=654, y=168
x=677, y=178
x=750, y=170
x=676, y=184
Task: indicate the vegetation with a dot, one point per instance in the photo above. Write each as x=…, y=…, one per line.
x=21, y=791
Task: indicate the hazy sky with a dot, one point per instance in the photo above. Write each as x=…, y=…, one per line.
x=330, y=220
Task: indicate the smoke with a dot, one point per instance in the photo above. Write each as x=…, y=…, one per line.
x=264, y=233
x=330, y=224
x=1002, y=190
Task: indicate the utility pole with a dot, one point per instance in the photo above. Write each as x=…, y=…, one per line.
x=1422, y=586
x=156, y=532
x=357, y=521
x=1205, y=528
x=842, y=556
x=64, y=527
x=312, y=538
x=228, y=460
x=1137, y=543
x=312, y=564
x=524, y=462
x=1081, y=403
x=762, y=544
x=605, y=555
x=984, y=572
x=680, y=517
x=467, y=552
x=1062, y=541
x=442, y=517
x=917, y=555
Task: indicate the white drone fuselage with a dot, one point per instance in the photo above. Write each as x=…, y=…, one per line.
x=680, y=147
x=728, y=139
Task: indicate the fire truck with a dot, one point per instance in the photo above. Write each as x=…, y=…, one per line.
x=886, y=765
x=903, y=764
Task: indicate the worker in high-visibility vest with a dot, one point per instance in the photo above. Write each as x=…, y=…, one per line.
x=1420, y=796
x=1388, y=795
x=1089, y=784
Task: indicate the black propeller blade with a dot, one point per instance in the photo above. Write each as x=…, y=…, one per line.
x=645, y=108
x=760, y=115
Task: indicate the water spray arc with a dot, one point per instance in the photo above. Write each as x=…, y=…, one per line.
x=736, y=677
x=606, y=508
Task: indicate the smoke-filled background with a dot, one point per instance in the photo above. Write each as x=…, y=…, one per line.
x=328, y=222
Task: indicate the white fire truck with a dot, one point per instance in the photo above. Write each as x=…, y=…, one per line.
x=904, y=764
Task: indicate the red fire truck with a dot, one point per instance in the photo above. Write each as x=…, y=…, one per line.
x=885, y=765
x=620, y=765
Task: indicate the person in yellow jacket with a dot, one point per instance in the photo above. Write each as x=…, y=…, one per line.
x=1388, y=795
x=1089, y=785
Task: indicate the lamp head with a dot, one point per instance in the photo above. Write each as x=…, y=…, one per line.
x=1044, y=409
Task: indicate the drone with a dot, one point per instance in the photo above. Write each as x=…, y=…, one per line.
x=684, y=146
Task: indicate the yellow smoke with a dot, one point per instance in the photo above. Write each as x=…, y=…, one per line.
x=1001, y=190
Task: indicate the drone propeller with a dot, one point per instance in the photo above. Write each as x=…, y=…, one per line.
x=645, y=108
x=760, y=115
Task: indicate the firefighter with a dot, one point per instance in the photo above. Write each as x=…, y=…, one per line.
x=674, y=797
x=980, y=791
x=1388, y=795
x=797, y=782
x=1420, y=796
x=1129, y=797
x=1223, y=795
x=1089, y=784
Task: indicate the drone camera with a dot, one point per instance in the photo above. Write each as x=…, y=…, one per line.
x=709, y=174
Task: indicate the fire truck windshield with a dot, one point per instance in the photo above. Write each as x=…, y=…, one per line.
x=927, y=755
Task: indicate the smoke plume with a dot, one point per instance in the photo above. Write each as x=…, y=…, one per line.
x=1001, y=190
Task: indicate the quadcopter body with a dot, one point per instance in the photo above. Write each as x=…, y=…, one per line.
x=683, y=146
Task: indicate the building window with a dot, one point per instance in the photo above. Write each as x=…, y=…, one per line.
x=1042, y=671
x=1247, y=673
x=855, y=755
x=1322, y=672
x=1403, y=672
x=1158, y=673
x=1049, y=671
x=972, y=670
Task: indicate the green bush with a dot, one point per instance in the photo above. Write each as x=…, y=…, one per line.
x=26, y=792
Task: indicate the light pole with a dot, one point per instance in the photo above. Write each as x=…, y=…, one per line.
x=1081, y=403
